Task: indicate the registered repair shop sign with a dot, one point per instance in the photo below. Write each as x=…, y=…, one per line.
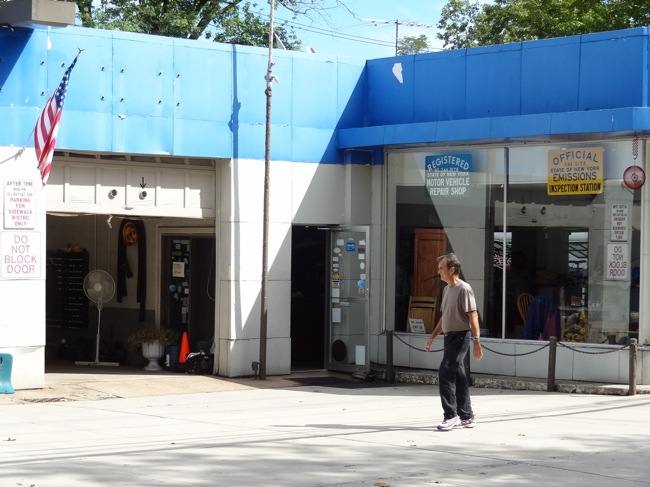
x=574, y=171
x=448, y=174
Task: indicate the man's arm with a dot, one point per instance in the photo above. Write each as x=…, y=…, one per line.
x=475, y=331
x=436, y=331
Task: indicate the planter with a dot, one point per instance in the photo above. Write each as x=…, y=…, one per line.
x=152, y=351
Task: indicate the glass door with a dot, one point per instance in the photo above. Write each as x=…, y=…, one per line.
x=348, y=308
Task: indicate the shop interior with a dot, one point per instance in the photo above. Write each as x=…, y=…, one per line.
x=555, y=255
x=147, y=277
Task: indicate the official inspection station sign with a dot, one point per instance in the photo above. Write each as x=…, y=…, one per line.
x=447, y=174
x=575, y=171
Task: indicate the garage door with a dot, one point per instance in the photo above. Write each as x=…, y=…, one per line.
x=132, y=185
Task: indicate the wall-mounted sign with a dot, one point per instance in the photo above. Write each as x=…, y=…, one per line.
x=619, y=231
x=575, y=171
x=447, y=174
x=21, y=255
x=634, y=177
x=618, y=262
x=20, y=204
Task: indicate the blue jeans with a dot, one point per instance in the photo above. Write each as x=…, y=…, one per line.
x=452, y=379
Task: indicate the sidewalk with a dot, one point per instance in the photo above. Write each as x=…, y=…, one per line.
x=75, y=383
x=323, y=435
x=80, y=383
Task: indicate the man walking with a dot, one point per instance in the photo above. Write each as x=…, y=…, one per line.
x=459, y=323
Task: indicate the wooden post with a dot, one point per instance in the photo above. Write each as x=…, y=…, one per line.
x=390, y=371
x=552, y=350
x=632, y=388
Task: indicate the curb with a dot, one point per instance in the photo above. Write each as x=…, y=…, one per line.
x=517, y=383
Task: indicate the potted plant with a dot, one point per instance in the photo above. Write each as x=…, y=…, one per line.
x=152, y=339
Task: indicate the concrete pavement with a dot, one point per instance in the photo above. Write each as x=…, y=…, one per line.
x=75, y=383
x=303, y=436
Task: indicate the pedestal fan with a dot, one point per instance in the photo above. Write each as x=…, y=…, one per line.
x=99, y=286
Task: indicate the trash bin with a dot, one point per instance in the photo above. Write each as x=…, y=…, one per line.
x=6, y=361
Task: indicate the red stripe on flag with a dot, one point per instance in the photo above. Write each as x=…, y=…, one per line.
x=47, y=126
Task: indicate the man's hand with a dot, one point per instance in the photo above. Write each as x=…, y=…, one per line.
x=429, y=343
x=477, y=351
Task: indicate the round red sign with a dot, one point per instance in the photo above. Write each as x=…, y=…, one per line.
x=634, y=177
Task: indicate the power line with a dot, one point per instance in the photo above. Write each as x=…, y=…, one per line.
x=397, y=23
x=354, y=37
x=337, y=34
x=330, y=31
x=348, y=38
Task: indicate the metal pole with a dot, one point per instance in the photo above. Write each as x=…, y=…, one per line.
x=390, y=371
x=99, y=326
x=504, y=270
x=396, y=34
x=632, y=389
x=552, y=353
x=265, y=225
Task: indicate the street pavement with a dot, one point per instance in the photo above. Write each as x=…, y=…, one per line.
x=305, y=436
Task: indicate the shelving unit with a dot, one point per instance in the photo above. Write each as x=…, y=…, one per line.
x=66, y=303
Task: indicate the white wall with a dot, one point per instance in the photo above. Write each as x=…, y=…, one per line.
x=22, y=315
x=300, y=193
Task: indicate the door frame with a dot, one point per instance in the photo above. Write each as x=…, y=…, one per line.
x=328, y=319
x=176, y=231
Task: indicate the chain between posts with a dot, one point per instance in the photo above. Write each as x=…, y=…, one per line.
x=552, y=343
x=562, y=344
x=485, y=347
x=416, y=348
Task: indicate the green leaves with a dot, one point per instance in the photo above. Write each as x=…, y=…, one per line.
x=232, y=21
x=466, y=23
x=412, y=45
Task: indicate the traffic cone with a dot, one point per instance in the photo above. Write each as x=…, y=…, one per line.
x=184, y=349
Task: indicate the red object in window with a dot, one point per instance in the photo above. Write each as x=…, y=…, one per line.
x=634, y=177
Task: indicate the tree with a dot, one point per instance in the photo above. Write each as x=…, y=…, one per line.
x=412, y=45
x=233, y=21
x=456, y=24
x=245, y=27
x=466, y=23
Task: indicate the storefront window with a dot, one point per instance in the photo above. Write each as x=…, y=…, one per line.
x=443, y=202
x=560, y=258
x=573, y=239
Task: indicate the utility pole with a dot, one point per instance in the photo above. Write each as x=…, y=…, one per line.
x=265, y=226
x=397, y=23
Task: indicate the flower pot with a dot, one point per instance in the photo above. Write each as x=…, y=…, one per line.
x=152, y=351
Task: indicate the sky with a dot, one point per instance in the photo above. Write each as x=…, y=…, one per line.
x=349, y=32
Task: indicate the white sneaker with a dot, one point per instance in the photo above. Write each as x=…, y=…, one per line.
x=448, y=424
x=467, y=423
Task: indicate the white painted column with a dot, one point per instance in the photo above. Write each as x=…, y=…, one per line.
x=22, y=266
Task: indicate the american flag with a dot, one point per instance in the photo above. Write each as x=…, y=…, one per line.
x=47, y=126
